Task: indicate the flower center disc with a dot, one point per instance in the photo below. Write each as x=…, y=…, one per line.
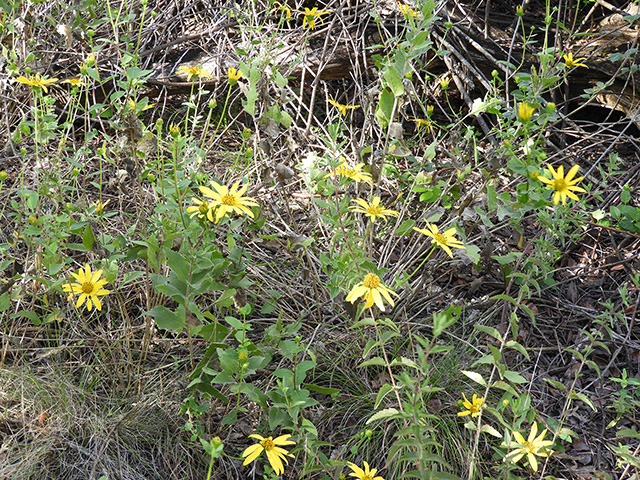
x=371, y=280
x=87, y=287
x=440, y=238
x=228, y=200
x=267, y=444
x=373, y=210
x=559, y=185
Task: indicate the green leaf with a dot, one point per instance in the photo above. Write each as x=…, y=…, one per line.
x=385, y=108
x=28, y=314
x=323, y=390
x=491, y=431
x=394, y=80
x=131, y=276
x=406, y=227
x=5, y=302
x=384, y=413
x=504, y=386
x=382, y=393
x=515, y=377
x=489, y=331
x=168, y=319
x=373, y=361
x=178, y=264
x=88, y=238
x=585, y=399
x=476, y=377
x=516, y=346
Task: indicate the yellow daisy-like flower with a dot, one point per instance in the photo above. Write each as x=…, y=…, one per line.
x=405, y=10
x=444, y=83
x=229, y=200
x=37, y=82
x=233, y=75
x=344, y=170
x=525, y=112
x=373, y=210
x=342, y=108
x=88, y=286
x=275, y=454
x=99, y=207
x=372, y=290
x=530, y=447
x=422, y=123
x=133, y=105
x=74, y=81
x=201, y=208
x=366, y=474
x=286, y=11
x=194, y=71
x=563, y=186
x=569, y=62
x=311, y=15
x=473, y=407
x=444, y=240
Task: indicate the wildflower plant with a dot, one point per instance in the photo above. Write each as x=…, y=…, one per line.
x=534, y=446
x=273, y=449
x=224, y=200
x=312, y=15
x=371, y=290
x=88, y=287
x=563, y=185
x=473, y=407
x=445, y=240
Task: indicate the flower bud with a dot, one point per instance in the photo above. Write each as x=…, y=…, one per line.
x=243, y=355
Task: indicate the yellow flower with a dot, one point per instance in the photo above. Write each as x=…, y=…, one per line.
x=444, y=240
x=429, y=110
x=195, y=71
x=353, y=173
x=373, y=210
x=99, y=207
x=133, y=105
x=563, y=186
x=74, y=81
x=88, y=286
x=525, y=111
x=444, y=83
x=405, y=10
x=229, y=200
x=275, y=454
x=201, y=208
x=531, y=447
x=342, y=108
x=310, y=17
x=37, y=82
x=372, y=290
x=286, y=11
x=473, y=407
x=569, y=62
x=421, y=122
x=234, y=75
x=366, y=474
